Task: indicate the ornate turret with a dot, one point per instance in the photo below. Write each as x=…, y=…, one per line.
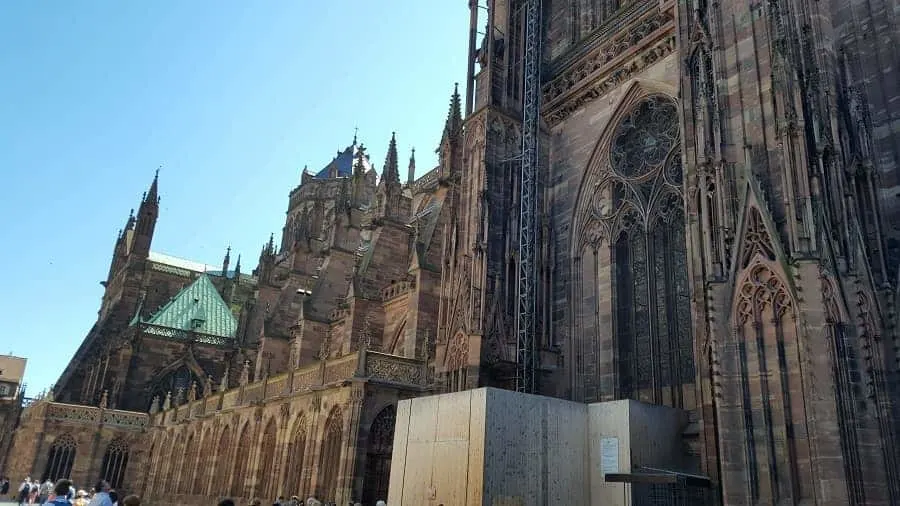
x=411, y=171
x=389, y=190
x=454, y=115
x=391, y=172
x=266, y=260
x=449, y=156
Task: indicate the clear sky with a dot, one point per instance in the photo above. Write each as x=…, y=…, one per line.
x=232, y=98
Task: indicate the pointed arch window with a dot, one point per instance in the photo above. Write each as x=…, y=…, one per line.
x=177, y=383
x=296, y=454
x=115, y=461
x=239, y=471
x=61, y=458
x=220, y=477
x=267, y=481
x=654, y=347
x=330, y=459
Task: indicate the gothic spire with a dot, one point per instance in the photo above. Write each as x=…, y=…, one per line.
x=147, y=214
x=359, y=168
x=411, y=176
x=391, y=173
x=237, y=267
x=270, y=248
x=153, y=194
x=226, y=261
x=454, y=115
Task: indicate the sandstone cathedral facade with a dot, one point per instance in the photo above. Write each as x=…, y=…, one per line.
x=719, y=232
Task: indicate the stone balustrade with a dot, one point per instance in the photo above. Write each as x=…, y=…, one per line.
x=428, y=181
x=397, y=289
x=88, y=415
x=185, y=335
x=360, y=365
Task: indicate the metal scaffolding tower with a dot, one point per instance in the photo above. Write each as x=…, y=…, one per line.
x=525, y=323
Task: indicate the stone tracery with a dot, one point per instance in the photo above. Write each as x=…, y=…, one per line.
x=637, y=208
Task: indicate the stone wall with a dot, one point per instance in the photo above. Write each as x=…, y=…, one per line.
x=89, y=433
x=303, y=432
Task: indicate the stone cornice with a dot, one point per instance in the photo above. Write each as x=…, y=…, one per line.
x=645, y=42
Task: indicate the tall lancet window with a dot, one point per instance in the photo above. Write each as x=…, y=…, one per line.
x=654, y=348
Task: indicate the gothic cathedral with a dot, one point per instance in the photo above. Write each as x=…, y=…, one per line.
x=718, y=232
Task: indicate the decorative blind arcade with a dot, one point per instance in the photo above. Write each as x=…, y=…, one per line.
x=649, y=259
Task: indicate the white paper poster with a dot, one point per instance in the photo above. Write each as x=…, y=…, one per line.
x=609, y=455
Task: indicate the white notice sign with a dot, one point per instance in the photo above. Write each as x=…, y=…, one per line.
x=609, y=455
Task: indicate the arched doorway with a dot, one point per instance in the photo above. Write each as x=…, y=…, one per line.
x=378, y=456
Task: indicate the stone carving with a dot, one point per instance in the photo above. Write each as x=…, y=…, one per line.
x=285, y=410
x=86, y=414
x=192, y=392
x=756, y=240
x=457, y=352
x=762, y=289
x=154, y=405
x=634, y=36
x=126, y=419
x=168, y=402
x=394, y=369
x=104, y=400
x=613, y=80
x=223, y=383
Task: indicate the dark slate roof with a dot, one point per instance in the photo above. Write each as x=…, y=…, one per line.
x=344, y=163
x=198, y=301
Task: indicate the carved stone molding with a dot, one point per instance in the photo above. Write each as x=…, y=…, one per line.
x=573, y=98
x=605, y=66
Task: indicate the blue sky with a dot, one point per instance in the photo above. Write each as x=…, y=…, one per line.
x=232, y=98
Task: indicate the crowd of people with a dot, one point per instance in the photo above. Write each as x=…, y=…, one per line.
x=64, y=493
x=295, y=501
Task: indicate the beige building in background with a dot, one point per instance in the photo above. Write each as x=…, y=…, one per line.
x=12, y=371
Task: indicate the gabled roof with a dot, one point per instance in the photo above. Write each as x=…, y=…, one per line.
x=198, y=303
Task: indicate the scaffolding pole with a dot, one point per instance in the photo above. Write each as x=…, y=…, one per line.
x=527, y=275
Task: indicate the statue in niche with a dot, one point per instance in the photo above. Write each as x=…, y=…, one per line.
x=245, y=373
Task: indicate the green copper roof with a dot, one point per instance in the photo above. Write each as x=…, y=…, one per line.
x=198, y=308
